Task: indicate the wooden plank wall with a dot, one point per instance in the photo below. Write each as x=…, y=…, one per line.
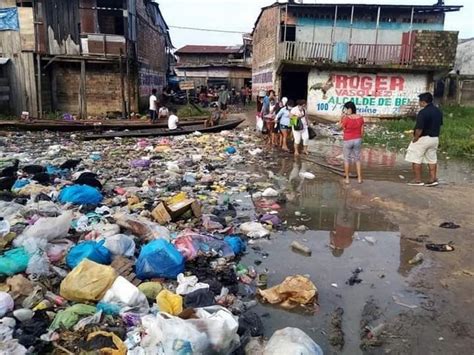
x=27, y=31
x=20, y=70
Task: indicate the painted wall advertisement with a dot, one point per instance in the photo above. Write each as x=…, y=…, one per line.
x=375, y=95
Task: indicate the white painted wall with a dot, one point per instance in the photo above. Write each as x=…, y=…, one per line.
x=363, y=36
x=375, y=95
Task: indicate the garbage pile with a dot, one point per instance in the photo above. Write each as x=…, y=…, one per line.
x=134, y=246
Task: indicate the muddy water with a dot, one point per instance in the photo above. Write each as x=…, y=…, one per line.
x=381, y=164
x=337, y=229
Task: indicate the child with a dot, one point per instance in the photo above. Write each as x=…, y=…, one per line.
x=173, y=121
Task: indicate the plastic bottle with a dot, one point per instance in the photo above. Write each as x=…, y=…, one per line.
x=303, y=249
x=418, y=259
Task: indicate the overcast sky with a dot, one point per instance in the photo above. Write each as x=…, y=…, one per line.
x=240, y=16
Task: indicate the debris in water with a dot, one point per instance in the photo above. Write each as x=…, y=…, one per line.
x=397, y=301
x=354, y=279
x=418, y=259
x=300, y=248
x=336, y=335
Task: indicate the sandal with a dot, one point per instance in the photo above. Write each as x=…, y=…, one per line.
x=440, y=247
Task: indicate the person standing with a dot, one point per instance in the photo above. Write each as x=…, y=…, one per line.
x=153, y=106
x=299, y=126
x=244, y=93
x=353, y=127
x=283, y=121
x=423, y=148
x=223, y=101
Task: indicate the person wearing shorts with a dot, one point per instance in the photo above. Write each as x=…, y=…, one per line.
x=283, y=121
x=299, y=112
x=424, y=146
x=353, y=127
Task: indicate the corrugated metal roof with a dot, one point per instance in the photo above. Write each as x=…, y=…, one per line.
x=189, y=49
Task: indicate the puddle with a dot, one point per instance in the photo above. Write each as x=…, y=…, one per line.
x=381, y=164
x=337, y=237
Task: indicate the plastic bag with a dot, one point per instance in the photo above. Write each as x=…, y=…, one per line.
x=236, y=243
x=80, y=195
x=48, y=228
x=142, y=228
x=88, y=281
x=58, y=249
x=169, y=302
x=259, y=123
x=91, y=346
x=293, y=291
x=254, y=230
x=14, y=261
x=38, y=264
x=127, y=296
x=159, y=258
x=150, y=289
x=120, y=244
x=71, y=315
x=91, y=250
x=188, y=284
x=6, y=303
x=269, y=192
x=291, y=341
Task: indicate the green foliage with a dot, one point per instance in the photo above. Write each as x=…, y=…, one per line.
x=457, y=133
x=191, y=111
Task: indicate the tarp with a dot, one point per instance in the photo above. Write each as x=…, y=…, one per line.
x=9, y=19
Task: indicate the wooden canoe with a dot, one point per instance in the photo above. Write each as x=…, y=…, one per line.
x=157, y=132
x=89, y=125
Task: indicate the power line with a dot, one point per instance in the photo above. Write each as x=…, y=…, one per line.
x=205, y=29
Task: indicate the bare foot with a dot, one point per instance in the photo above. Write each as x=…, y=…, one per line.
x=360, y=181
x=346, y=180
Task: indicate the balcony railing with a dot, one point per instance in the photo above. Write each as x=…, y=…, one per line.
x=340, y=52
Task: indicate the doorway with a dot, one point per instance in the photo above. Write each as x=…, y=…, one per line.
x=294, y=85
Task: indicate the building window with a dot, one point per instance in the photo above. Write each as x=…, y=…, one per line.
x=289, y=34
x=110, y=17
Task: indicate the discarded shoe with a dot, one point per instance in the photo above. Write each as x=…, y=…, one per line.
x=439, y=247
x=449, y=225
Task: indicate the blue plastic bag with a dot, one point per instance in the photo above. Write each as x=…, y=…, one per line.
x=159, y=258
x=20, y=183
x=14, y=261
x=91, y=250
x=108, y=308
x=236, y=243
x=80, y=195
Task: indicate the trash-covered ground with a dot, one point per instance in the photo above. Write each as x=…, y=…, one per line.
x=196, y=244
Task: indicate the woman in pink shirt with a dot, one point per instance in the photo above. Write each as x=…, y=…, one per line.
x=353, y=127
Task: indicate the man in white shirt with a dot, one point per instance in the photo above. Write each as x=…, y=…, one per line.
x=153, y=106
x=173, y=121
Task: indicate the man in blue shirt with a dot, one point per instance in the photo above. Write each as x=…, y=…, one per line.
x=424, y=146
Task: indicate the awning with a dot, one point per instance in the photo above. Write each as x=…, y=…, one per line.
x=4, y=60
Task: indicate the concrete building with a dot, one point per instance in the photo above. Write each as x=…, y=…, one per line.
x=379, y=56
x=85, y=57
x=215, y=65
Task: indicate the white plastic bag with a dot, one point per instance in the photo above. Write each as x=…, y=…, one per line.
x=49, y=228
x=188, y=284
x=269, y=192
x=6, y=303
x=127, y=296
x=259, y=123
x=291, y=341
x=254, y=230
x=120, y=244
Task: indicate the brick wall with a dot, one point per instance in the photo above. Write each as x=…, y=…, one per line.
x=102, y=88
x=265, y=39
x=435, y=49
x=150, y=42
